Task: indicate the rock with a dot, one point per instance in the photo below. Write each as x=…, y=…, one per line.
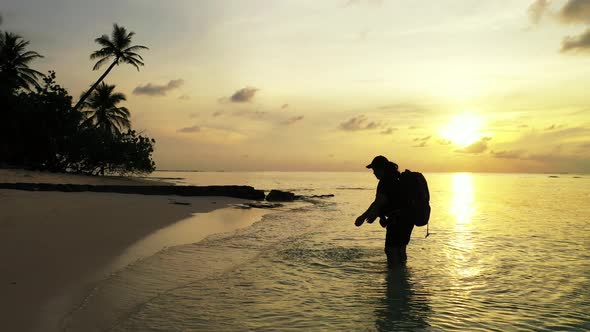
x=179, y=203
x=320, y=196
x=260, y=205
x=280, y=196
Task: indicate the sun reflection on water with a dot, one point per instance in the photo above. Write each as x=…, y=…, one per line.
x=463, y=208
x=462, y=205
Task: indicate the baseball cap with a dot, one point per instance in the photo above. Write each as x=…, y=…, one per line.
x=378, y=162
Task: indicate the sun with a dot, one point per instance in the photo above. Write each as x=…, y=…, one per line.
x=463, y=130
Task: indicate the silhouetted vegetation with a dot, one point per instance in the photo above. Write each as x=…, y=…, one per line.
x=39, y=128
x=118, y=47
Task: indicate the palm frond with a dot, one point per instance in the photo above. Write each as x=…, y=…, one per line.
x=104, y=41
x=101, y=62
x=122, y=112
x=14, y=60
x=135, y=48
x=30, y=55
x=117, y=97
x=121, y=122
x=134, y=62
x=30, y=72
x=103, y=52
x=105, y=114
x=132, y=55
x=119, y=36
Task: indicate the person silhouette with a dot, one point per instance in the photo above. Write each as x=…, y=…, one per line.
x=389, y=207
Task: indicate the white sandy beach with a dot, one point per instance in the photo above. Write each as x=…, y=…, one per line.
x=54, y=245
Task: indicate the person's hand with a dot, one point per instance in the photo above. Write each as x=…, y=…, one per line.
x=359, y=221
x=371, y=219
x=383, y=222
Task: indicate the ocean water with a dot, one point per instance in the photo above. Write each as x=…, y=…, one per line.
x=506, y=252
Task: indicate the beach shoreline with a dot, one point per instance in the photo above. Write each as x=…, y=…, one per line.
x=55, y=245
x=16, y=175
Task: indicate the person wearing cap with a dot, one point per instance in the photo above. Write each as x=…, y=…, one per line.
x=388, y=206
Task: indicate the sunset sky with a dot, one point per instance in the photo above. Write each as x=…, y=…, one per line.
x=446, y=85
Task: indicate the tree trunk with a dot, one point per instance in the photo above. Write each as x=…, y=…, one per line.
x=95, y=85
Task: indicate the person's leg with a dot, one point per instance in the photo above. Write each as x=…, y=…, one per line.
x=405, y=234
x=393, y=256
x=396, y=239
x=391, y=250
x=403, y=255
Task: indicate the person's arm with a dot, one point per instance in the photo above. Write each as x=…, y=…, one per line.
x=373, y=211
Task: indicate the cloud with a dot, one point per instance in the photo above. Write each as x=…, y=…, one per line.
x=217, y=113
x=250, y=114
x=372, y=125
x=422, y=141
x=388, y=131
x=406, y=108
x=243, y=95
x=421, y=145
x=184, y=97
x=575, y=11
x=508, y=154
x=294, y=119
x=553, y=126
x=477, y=147
x=284, y=106
x=561, y=134
x=543, y=138
x=580, y=43
x=157, y=90
x=357, y=123
x=443, y=141
x=572, y=12
x=537, y=10
x=192, y=129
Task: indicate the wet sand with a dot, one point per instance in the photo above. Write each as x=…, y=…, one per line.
x=54, y=245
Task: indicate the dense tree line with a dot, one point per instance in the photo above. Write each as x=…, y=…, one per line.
x=40, y=128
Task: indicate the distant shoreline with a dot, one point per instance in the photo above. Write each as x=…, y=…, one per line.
x=554, y=174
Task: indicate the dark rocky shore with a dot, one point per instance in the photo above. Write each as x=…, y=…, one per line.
x=244, y=192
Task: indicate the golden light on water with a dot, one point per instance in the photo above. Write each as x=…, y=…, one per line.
x=463, y=129
x=463, y=202
x=463, y=208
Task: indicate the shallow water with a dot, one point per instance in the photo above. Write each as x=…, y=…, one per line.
x=506, y=252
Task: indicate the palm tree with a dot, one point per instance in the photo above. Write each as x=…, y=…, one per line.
x=101, y=110
x=14, y=62
x=118, y=47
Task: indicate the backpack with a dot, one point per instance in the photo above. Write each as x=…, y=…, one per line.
x=418, y=197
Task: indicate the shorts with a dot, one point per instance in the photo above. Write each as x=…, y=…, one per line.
x=398, y=233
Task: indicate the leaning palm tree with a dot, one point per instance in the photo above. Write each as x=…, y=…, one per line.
x=101, y=110
x=117, y=47
x=14, y=62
